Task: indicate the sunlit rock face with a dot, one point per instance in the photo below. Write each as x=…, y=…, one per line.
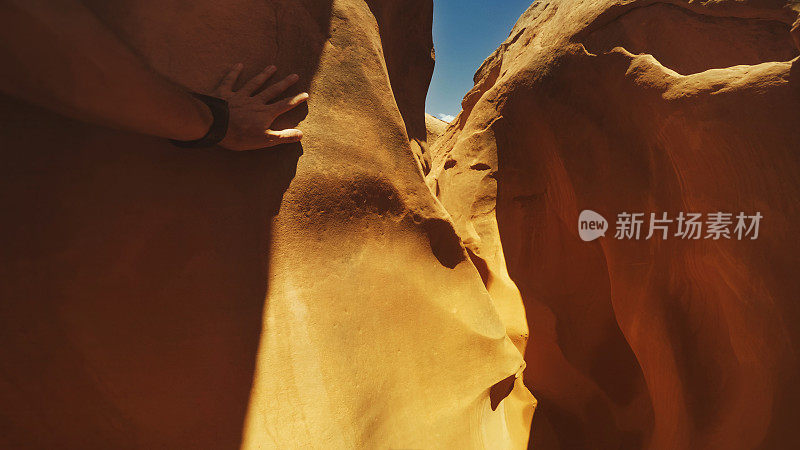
x=315, y=295
x=650, y=107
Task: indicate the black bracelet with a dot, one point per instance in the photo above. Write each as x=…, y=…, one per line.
x=219, y=125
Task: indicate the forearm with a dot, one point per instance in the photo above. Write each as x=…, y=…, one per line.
x=58, y=55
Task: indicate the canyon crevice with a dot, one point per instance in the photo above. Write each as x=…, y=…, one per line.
x=397, y=282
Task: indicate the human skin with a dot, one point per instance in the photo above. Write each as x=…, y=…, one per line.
x=66, y=60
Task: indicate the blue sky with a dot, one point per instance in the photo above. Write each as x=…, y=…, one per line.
x=465, y=32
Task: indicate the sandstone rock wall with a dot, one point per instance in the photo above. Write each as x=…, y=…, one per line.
x=639, y=106
x=311, y=296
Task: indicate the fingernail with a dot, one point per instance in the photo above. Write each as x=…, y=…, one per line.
x=271, y=68
x=239, y=65
x=304, y=95
x=294, y=76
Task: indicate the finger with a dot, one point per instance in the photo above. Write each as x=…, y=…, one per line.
x=226, y=85
x=283, y=137
x=796, y=33
x=250, y=87
x=288, y=104
x=278, y=88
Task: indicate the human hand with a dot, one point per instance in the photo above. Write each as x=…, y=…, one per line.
x=250, y=114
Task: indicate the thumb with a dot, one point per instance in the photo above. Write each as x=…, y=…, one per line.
x=283, y=136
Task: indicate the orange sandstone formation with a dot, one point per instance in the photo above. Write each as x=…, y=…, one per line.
x=435, y=128
x=312, y=296
x=639, y=106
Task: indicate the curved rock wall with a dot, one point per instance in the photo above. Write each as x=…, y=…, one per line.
x=311, y=296
x=639, y=106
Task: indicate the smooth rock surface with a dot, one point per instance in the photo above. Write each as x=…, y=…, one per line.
x=312, y=296
x=639, y=106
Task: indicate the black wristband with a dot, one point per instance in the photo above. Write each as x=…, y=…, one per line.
x=219, y=125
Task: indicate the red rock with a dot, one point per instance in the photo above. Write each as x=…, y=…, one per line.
x=651, y=107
